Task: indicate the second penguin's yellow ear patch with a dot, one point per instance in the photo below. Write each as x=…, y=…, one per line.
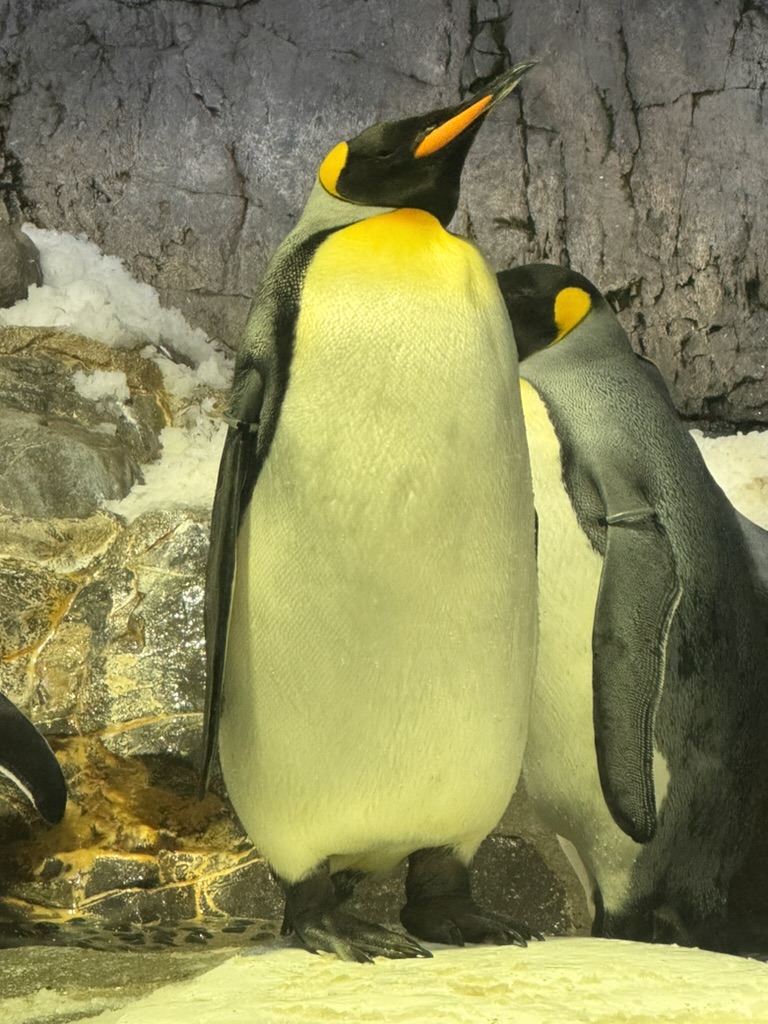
x=331, y=168
x=571, y=306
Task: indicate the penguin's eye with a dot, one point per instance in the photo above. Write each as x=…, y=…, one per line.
x=423, y=136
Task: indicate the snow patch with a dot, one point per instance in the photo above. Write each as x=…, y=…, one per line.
x=101, y=384
x=600, y=981
x=185, y=475
x=739, y=464
x=92, y=294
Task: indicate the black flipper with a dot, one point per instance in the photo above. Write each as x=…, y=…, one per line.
x=262, y=370
x=28, y=761
x=639, y=593
x=234, y=487
x=757, y=542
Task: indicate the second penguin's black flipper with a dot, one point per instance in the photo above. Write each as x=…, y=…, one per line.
x=639, y=592
x=233, y=489
x=757, y=543
x=28, y=761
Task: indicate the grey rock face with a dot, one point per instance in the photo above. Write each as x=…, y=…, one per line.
x=185, y=137
x=19, y=264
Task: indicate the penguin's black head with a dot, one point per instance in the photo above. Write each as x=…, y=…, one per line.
x=545, y=302
x=416, y=162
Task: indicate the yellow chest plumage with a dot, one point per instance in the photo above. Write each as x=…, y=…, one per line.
x=403, y=272
x=382, y=636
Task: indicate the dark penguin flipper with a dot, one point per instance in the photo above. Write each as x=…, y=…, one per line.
x=28, y=761
x=639, y=593
x=757, y=542
x=236, y=471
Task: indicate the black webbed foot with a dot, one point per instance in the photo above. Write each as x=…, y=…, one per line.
x=350, y=938
x=312, y=912
x=440, y=907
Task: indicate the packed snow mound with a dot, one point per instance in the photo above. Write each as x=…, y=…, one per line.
x=102, y=384
x=92, y=294
x=595, y=981
x=739, y=463
x=184, y=476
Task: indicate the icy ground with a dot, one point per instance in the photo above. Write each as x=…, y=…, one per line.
x=553, y=982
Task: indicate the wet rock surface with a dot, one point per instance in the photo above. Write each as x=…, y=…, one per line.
x=137, y=852
x=53, y=985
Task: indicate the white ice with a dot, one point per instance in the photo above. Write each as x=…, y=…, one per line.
x=598, y=981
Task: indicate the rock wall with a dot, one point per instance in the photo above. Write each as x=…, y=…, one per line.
x=183, y=137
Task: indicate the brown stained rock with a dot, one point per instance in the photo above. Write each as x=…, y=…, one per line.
x=34, y=603
x=245, y=889
x=78, y=352
x=101, y=642
x=131, y=849
x=136, y=846
x=112, y=641
x=119, y=828
x=144, y=609
x=59, y=546
x=61, y=453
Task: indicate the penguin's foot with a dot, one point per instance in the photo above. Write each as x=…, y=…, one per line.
x=440, y=907
x=350, y=938
x=312, y=912
x=458, y=921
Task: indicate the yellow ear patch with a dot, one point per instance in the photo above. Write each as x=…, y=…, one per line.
x=449, y=130
x=331, y=168
x=571, y=306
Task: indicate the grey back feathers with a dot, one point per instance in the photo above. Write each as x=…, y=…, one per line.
x=679, y=633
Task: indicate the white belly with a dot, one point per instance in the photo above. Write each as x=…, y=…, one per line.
x=560, y=765
x=383, y=629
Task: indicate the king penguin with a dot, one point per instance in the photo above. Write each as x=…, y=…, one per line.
x=372, y=539
x=648, y=711
x=29, y=763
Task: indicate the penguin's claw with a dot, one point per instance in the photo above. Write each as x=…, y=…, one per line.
x=355, y=940
x=456, y=920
